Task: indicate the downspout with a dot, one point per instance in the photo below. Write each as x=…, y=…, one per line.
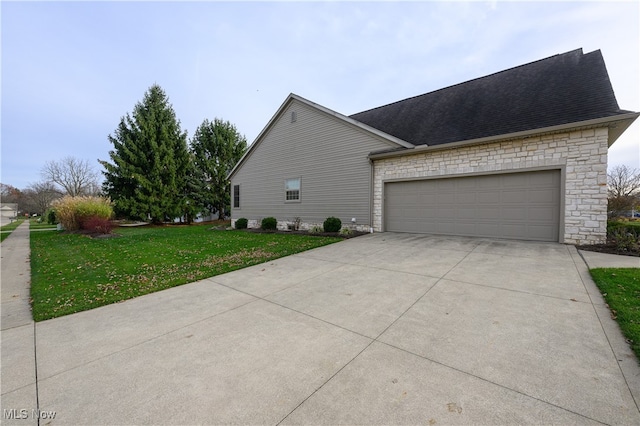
x=371, y=172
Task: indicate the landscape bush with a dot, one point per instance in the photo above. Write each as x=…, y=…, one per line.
x=269, y=224
x=242, y=223
x=51, y=217
x=625, y=238
x=316, y=229
x=332, y=224
x=97, y=225
x=346, y=231
x=71, y=212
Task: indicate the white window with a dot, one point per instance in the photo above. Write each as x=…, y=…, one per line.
x=292, y=189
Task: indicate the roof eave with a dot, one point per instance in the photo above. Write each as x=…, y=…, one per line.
x=617, y=125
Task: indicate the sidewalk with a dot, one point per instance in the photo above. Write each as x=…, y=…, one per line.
x=16, y=278
x=603, y=260
x=17, y=333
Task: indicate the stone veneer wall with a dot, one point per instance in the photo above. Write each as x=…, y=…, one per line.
x=582, y=154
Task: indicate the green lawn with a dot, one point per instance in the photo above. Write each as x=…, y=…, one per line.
x=10, y=227
x=33, y=224
x=73, y=272
x=621, y=289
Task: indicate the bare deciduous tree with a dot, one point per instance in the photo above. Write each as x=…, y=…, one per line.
x=623, y=186
x=10, y=194
x=74, y=176
x=40, y=195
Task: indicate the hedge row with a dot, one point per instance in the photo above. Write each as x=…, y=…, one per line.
x=331, y=224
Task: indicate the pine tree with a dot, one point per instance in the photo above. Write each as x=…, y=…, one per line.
x=216, y=147
x=150, y=161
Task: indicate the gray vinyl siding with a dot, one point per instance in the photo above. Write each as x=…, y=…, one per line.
x=326, y=153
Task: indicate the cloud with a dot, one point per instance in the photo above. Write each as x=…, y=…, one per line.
x=72, y=69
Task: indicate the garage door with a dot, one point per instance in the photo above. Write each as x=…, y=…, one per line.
x=522, y=206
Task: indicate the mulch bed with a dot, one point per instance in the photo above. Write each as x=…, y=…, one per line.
x=609, y=248
x=321, y=234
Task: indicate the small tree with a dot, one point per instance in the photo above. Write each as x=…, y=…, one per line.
x=623, y=186
x=75, y=177
x=216, y=148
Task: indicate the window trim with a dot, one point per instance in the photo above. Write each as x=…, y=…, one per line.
x=287, y=191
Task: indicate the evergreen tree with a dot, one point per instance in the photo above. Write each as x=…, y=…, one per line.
x=150, y=161
x=216, y=147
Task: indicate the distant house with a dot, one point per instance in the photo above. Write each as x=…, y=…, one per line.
x=9, y=210
x=519, y=154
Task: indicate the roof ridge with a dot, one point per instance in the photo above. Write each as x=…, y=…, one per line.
x=557, y=55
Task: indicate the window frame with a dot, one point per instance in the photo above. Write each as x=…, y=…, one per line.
x=236, y=197
x=290, y=192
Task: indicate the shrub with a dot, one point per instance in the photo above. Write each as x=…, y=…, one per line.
x=242, y=223
x=97, y=225
x=51, y=217
x=316, y=229
x=72, y=211
x=624, y=238
x=332, y=224
x=269, y=223
x=346, y=231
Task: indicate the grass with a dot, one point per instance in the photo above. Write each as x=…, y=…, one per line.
x=10, y=227
x=627, y=223
x=73, y=272
x=33, y=224
x=621, y=290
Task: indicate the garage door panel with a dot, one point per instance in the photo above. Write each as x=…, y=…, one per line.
x=513, y=196
x=467, y=214
x=544, y=230
x=445, y=185
x=487, y=182
x=543, y=196
x=542, y=214
x=515, y=213
x=465, y=197
x=514, y=230
x=516, y=181
x=485, y=197
x=485, y=230
x=514, y=205
x=486, y=213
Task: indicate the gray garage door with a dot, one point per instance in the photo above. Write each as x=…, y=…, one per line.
x=522, y=206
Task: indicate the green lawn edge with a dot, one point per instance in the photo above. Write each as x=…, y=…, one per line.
x=10, y=227
x=73, y=272
x=620, y=288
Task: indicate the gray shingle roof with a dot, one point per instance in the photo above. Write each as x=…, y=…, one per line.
x=566, y=88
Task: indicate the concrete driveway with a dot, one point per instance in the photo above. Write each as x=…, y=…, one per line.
x=381, y=329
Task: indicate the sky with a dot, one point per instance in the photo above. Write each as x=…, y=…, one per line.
x=71, y=70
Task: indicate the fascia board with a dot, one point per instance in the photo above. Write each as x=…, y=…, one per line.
x=623, y=119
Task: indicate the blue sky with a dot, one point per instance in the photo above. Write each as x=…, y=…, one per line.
x=71, y=70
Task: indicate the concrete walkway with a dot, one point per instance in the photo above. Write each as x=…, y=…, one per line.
x=16, y=278
x=381, y=329
x=604, y=260
x=17, y=329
